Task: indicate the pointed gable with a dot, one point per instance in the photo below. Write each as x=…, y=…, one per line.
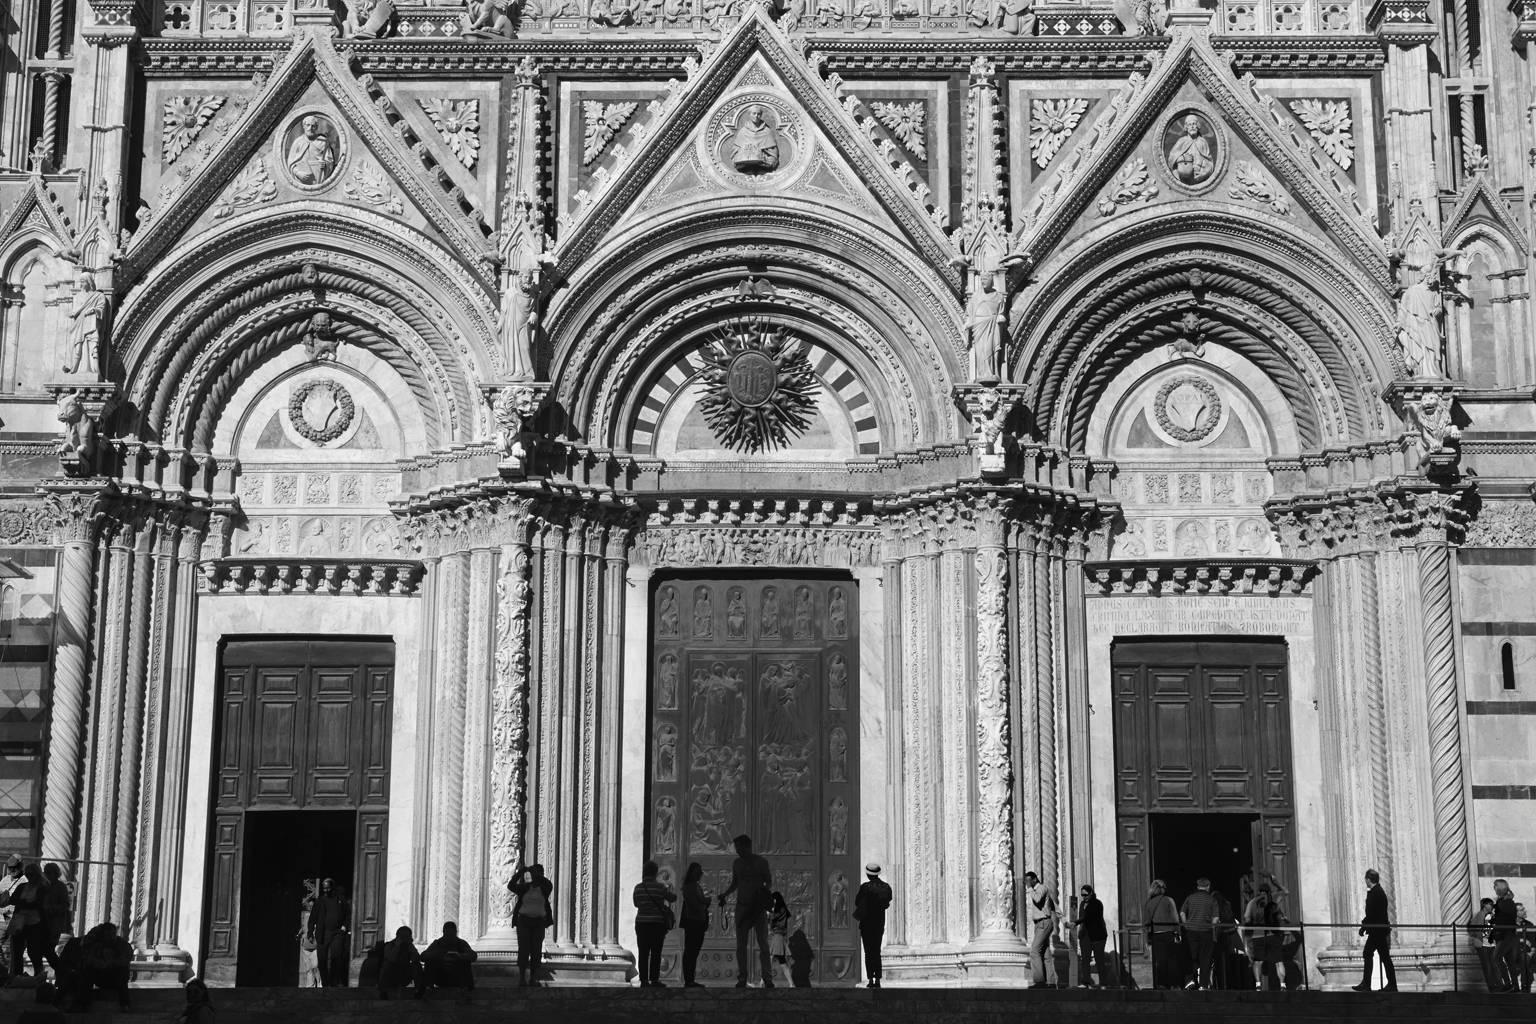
x=832, y=150
x=1480, y=204
x=36, y=210
x=1275, y=161
x=393, y=163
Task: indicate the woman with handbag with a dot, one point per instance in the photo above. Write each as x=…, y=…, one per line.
x=653, y=919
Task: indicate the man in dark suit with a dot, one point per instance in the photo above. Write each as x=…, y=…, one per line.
x=328, y=923
x=1377, y=932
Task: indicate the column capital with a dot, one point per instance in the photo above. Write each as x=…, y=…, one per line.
x=1401, y=23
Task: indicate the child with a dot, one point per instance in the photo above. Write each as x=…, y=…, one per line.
x=778, y=934
x=801, y=953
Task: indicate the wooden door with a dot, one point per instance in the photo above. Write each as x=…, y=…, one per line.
x=754, y=730
x=302, y=725
x=1201, y=727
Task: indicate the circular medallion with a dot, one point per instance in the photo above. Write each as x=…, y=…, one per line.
x=1194, y=150
x=321, y=410
x=1187, y=408
x=311, y=152
x=754, y=139
x=752, y=378
x=13, y=525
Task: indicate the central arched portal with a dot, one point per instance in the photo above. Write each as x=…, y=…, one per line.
x=754, y=729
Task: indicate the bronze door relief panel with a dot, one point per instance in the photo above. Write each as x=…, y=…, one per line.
x=754, y=730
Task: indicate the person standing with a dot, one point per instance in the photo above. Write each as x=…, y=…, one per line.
x=1199, y=915
x=1506, y=946
x=695, y=921
x=752, y=882
x=869, y=906
x=1481, y=931
x=533, y=914
x=1043, y=918
x=1378, y=934
x=778, y=935
x=328, y=926
x=1525, y=936
x=1260, y=941
x=653, y=919
x=9, y=883
x=56, y=913
x=1092, y=934
x=1161, y=917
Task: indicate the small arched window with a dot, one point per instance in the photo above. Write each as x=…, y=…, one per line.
x=1507, y=664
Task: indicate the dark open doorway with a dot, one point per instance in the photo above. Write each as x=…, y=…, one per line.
x=283, y=850
x=1186, y=847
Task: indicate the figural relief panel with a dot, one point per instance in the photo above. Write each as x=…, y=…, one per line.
x=752, y=730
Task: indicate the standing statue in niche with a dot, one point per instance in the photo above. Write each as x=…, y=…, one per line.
x=984, y=331
x=755, y=143
x=1191, y=157
x=85, y=328
x=1419, y=309
x=522, y=281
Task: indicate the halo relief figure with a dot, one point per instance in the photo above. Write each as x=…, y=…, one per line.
x=1191, y=157
x=311, y=156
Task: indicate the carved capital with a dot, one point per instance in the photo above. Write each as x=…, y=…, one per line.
x=1422, y=516
x=83, y=408
x=73, y=514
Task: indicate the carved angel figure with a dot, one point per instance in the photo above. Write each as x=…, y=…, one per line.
x=85, y=328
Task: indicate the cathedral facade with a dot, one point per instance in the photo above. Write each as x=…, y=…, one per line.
x=1087, y=439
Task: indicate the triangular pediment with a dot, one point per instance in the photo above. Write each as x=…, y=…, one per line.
x=1481, y=203
x=360, y=155
x=827, y=147
x=1248, y=152
x=35, y=210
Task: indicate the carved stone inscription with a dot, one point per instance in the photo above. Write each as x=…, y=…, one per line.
x=1204, y=614
x=753, y=729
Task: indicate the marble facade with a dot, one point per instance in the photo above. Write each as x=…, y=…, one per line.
x=1040, y=330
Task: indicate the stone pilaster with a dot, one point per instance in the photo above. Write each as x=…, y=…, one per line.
x=953, y=643
x=609, y=868
x=74, y=518
x=920, y=784
x=135, y=680
x=478, y=669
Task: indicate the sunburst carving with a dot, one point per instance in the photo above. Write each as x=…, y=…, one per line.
x=758, y=386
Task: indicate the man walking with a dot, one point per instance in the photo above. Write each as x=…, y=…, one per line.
x=1199, y=915
x=328, y=923
x=1506, y=946
x=752, y=882
x=1161, y=917
x=1042, y=928
x=1377, y=932
x=869, y=907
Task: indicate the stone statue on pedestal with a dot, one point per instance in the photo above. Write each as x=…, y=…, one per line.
x=1419, y=309
x=86, y=324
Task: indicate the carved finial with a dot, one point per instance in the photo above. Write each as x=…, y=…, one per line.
x=1476, y=162
x=39, y=158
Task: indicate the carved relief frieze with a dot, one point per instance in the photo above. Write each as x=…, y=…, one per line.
x=1271, y=577
x=25, y=523
x=309, y=576
x=1497, y=524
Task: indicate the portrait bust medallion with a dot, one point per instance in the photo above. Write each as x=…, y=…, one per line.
x=311, y=151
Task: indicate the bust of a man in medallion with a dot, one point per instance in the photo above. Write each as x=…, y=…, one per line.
x=755, y=143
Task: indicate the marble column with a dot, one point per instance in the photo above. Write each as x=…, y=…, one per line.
x=920, y=782
x=954, y=639
x=895, y=809
x=1445, y=743
x=509, y=729
x=71, y=678
x=144, y=909
x=474, y=880
x=994, y=754
x=445, y=771
x=135, y=677
x=610, y=720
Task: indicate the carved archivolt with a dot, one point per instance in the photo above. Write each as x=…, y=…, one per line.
x=379, y=281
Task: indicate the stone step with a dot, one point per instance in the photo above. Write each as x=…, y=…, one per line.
x=801, y=1006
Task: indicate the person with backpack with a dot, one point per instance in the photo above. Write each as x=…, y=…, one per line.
x=653, y=919
x=1043, y=918
x=533, y=914
x=869, y=907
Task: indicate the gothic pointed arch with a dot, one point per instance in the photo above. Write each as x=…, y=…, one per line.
x=646, y=300
x=223, y=305
x=1253, y=285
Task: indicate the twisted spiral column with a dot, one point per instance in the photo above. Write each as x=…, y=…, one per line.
x=1376, y=713
x=135, y=679
x=71, y=669
x=1444, y=731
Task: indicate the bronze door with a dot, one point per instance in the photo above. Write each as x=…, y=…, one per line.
x=754, y=693
x=1202, y=762
x=303, y=736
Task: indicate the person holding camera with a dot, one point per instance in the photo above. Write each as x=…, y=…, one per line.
x=752, y=882
x=533, y=914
